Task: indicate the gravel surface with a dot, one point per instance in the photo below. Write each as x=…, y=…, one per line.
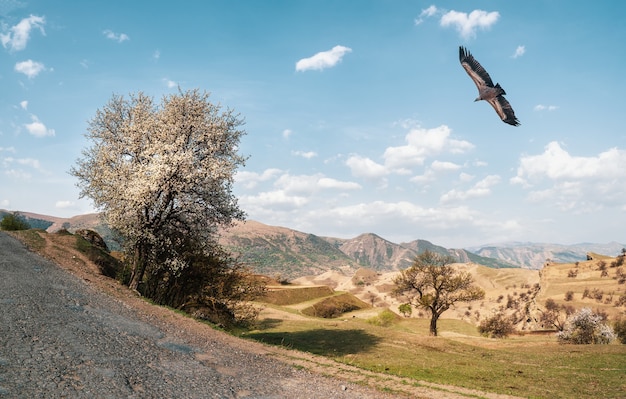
x=62, y=338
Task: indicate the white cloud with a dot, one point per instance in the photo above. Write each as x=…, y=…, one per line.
x=482, y=188
x=5, y=203
x=365, y=168
x=118, y=37
x=287, y=133
x=14, y=167
x=387, y=216
x=466, y=177
x=323, y=60
x=305, y=154
x=24, y=104
x=557, y=164
x=541, y=107
x=309, y=184
x=38, y=129
x=574, y=182
x=252, y=179
x=467, y=24
x=426, y=13
x=519, y=51
x=334, y=184
x=170, y=83
x=64, y=204
x=424, y=143
x=435, y=168
x=444, y=166
x=18, y=35
x=271, y=201
x=421, y=144
x=428, y=176
x=18, y=174
x=29, y=68
x=8, y=149
x=157, y=54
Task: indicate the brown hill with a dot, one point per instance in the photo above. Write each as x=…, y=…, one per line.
x=279, y=251
x=374, y=252
x=519, y=293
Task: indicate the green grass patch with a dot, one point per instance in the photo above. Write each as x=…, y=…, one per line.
x=526, y=366
x=384, y=318
x=107, y=264
x=335, y=306
x=292, y=295
x=31, y=238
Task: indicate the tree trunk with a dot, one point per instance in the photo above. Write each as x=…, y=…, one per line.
x=433, y=324
x=139, y=268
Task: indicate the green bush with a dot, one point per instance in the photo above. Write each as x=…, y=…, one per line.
x=335, y=306
x=13, y=222
x=620, y=329
x=383, y=319
x=497, y=326
x=108, y=265
x=406, y=309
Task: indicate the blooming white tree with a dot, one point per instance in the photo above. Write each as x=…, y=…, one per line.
x=586, y=327
x=162, y=175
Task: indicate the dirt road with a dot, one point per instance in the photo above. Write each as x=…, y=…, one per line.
x=59, y=337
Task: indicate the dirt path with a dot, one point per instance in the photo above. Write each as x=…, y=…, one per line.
x=83, y=335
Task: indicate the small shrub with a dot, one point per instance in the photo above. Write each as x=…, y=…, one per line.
x=586, y=327
x=13, y=222
x=569, y=296
x=586, y=293
x=555, y=315
x=597, y=294
x=572, y=273
x=620, y=276
x=621, y=301
x=383, y=319
x=497, y=326
x=620, y=329
x=406, y=309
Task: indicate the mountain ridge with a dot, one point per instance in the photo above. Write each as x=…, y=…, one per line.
x=281, y=251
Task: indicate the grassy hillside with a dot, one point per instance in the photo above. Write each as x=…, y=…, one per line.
x=523, y=365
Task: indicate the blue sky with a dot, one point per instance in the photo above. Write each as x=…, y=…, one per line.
x=359, y=117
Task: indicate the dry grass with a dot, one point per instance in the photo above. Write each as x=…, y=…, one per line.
x=528, y=365
x=534, y=366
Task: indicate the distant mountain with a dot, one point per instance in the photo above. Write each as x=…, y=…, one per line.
x=289, y=253
x=536, y=255
x=374, y=252
x=280, y=251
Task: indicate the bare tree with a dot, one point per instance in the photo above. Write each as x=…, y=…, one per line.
x=162, y=173
x=555, y=315
x=432, y=283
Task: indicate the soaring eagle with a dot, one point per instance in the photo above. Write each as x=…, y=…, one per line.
x=494, y=95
